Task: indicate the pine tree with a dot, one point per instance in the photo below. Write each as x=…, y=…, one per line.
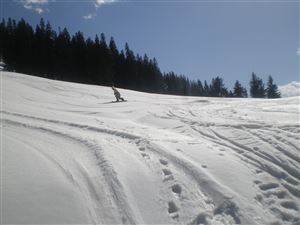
x=217, y=88
x=113, y=47
x=206, y=89
x=39, y=50
x=200, y=87
x=257, y=87
x=23, y=46
x=230, y=94
x=239, y=91
x=62, y=51
x=272, y=89
x=49, y=54
x=78, y=47
x=2, y=37
x=196, y=88
x=106, y=60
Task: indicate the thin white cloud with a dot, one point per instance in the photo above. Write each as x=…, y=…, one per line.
x=298, y=51
x=89, y=16
x=28, y=6
x=98, y=3
x=38, y=6
x=36, y=1
x=38, y=10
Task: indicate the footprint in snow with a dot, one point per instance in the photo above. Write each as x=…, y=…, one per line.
x=163, y=162
x=168, y=175
x=257, y=181
x=289, y=205
x=268, y=186
x=142, y=149
x=280, y=194
x=166, y=172
x=258, y=171
x=176, y=188
x=172, y=208
x=146, y=156
x=202, y=218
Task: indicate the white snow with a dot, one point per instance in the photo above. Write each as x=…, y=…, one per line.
x=69, y=155
x=290, y=89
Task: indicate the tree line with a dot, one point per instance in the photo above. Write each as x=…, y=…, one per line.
x=58, y=55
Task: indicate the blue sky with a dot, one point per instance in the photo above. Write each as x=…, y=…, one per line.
x=198, y=38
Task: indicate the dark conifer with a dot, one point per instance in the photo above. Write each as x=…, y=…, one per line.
x=257, y=89
x=42, y=52
x=206, y=89
x=113, y=47
x=217, y=88
x=272, y=89
x=239, y=91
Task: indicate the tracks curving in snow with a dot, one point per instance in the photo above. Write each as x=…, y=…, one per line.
x=277, y=163
x=100, y=204
x=184, y=160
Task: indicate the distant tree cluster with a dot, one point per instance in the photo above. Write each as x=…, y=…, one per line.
x=258, y=90
x=58, y=55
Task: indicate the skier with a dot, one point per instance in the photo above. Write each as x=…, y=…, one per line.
x=117, y=94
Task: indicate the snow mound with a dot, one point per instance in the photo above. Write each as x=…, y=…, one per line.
x=290, y=90
x=71, y=157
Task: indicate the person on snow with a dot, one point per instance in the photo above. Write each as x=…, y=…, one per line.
x=117, y=94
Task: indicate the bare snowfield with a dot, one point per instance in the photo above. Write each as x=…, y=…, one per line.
x=69, y=155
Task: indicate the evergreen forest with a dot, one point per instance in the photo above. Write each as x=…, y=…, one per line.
x=44, y=52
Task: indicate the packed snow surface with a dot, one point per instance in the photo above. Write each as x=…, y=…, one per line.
x=71, y=155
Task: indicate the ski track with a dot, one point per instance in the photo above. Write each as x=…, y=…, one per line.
x=112, y=184
x=287, y=174
x=187, y=192
x=168, y=175
x=115, y=186
x=213, y=204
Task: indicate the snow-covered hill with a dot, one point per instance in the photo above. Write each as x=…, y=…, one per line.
x=69, y=155
x=290, y=90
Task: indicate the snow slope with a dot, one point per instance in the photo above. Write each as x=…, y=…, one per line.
x=69, y=155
